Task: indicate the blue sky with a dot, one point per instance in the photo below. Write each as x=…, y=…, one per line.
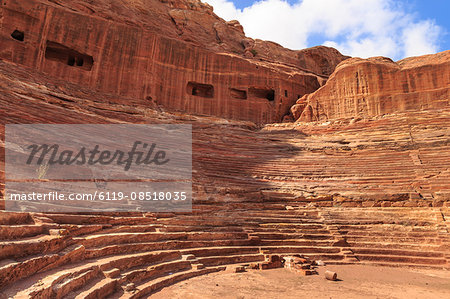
x=364, y=28
x=437, y=10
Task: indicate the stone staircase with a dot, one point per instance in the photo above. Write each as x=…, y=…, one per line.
x=392, y=236
x=134, y=255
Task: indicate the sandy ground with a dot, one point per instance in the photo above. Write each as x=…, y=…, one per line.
x=356, y=281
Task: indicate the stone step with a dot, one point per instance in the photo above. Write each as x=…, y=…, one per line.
x=98, y=219
x=278, y=216
x=297, y=242
x=400, y=246
x=33, y=245
x=13, y=271
x=101, y=289
x=133, y=260
x=283, y=236
x=401, y=259
x=387, y=212
x=234, y=220
x=13, y=232
x=200, y=222
x=128, y=229
x=79, y=230
x=76, y=282
x=384, y=227
x=162, y=245
x=204, y=228
x=221, y=251
x=327, y=257
x=291, y=231
x=391, y=239
x=15, y=218
x=399, y=219
x=276, y=221
x=121, y=238
x=403, y=265
x=135, y=229
x=379, y=251
x=383, y=213
x=146, y=272
x=230, y=259
x=267, y=209
x=152, y=286
x=351, y=221
x=61, y=284
x=293, y=225
x=395, y=234
x=298, y=249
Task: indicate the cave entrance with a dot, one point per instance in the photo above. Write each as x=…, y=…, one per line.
x=18, y=35
x=70, y=57
x=238, y=93
x=200, y=89
x=262, y=93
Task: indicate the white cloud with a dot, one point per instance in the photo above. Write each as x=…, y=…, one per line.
x=421, y=38
x=355, y=27
x=225, y=9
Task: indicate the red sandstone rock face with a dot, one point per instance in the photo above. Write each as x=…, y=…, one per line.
x=400, y=159
x=377, y=86
x=284, y=189
x=164, y=53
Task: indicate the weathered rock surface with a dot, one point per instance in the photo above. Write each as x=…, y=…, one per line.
x=176, y=54
x=372, y=190
x=369, y=87
x=401, y=158
x=285, y=189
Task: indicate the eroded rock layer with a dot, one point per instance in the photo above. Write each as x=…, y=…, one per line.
x=148, y=63
x=368, y=190
x=343, y=192
x=376, y=86
x=401, y=158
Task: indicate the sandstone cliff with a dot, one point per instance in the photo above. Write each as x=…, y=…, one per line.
x=362, y=88
x=91, y=70
x=282, y=189
x=399, y=160
x=175, y=54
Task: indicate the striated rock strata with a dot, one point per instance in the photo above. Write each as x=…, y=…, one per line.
x=401, y=158
x=343, y=192
x=174, y=54
x=371, y=190
x=369, y=87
